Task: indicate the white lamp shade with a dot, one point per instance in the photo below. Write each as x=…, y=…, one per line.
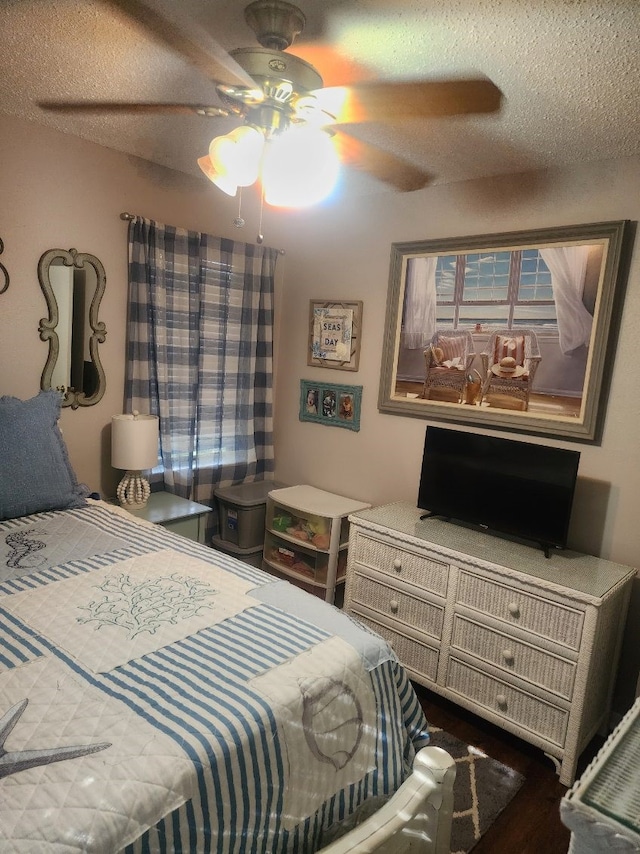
x=134, y=442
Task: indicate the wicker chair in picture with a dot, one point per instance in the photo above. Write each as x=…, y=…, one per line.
x=448, y=360
x=510, y=361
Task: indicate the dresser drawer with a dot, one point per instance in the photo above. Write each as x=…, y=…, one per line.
x=528, y=611
x=422, y=615
x=508, y=702
x=548, y=671
x=413, y=568
x=416, y=656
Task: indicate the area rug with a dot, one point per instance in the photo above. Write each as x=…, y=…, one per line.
x=482, y=789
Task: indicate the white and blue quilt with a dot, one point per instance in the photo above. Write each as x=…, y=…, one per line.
x=159, y=696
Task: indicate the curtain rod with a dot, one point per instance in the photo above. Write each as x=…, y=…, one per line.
x=127, y=217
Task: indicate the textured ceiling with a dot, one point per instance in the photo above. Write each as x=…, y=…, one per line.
x=569, y=71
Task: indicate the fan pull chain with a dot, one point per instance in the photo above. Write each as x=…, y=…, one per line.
x=239, y=221
x=260, y=236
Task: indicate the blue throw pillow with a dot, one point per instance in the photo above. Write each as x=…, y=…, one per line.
x=35, y=472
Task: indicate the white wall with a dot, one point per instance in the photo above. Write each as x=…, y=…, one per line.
x=343, y=253
x=61, y=192
x=58, y=191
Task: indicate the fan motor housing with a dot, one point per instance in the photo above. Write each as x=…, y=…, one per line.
x=283, y=79
x=273, y=68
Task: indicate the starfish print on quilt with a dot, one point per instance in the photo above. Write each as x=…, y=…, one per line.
x=19, y=760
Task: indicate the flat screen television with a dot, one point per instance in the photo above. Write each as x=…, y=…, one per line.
x=508, y=487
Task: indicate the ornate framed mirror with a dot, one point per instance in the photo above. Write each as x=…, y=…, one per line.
x=73, y=284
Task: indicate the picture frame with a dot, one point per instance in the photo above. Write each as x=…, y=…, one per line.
x=331, y=404
x=550, y=298
x=335, y=330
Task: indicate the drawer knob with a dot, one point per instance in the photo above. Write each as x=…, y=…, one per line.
x=397, y=564
x=508, y=656
x=394, y=605
x=514, y=609
x=501, y=700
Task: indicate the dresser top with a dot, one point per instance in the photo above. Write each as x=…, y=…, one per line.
x=591, y=575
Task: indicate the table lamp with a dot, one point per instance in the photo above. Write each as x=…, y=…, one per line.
x=134, y=447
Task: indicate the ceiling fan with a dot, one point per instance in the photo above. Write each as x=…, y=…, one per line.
x=272, y=91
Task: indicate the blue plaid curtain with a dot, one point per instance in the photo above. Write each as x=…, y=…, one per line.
x=200, y=353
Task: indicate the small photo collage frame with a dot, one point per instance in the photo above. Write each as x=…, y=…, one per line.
x=333, y=404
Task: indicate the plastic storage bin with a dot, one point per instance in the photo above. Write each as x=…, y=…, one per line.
x=301, y=559
x=306, y=537
x=251, y=556
x=241, y=512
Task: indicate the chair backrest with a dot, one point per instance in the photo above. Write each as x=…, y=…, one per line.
x=520, y=343
x=416, y=819
x=454, y=344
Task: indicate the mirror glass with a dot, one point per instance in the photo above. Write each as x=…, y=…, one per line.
x=73, y=284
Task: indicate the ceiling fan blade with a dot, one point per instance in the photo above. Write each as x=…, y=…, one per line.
x=381, y=164
x=383, y=101
x=164, y=21
x=115, y=107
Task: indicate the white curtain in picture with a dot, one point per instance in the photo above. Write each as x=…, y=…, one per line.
x=419, y=320
x=568, y=265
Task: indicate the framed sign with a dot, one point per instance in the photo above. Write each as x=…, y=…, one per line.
x=513, y=331
x=334, y=334
x=332, y=404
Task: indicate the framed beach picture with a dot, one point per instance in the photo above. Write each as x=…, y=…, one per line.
x=514, y=331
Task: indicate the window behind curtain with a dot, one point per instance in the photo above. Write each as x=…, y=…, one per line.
x=199, y=354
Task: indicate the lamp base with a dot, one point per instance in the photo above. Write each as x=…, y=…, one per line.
x=133, y=490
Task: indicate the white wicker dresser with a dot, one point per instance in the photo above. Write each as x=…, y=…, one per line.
x=527, y=642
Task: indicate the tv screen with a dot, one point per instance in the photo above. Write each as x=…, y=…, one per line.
x=505, y=486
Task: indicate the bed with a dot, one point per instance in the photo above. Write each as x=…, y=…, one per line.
x=158, y=695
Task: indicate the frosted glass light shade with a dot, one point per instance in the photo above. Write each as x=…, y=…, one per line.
x=234, y=159
x=134, y=446
x=224, y=182
x=300, y=168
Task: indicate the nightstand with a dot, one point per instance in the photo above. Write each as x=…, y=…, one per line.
x=177, y=514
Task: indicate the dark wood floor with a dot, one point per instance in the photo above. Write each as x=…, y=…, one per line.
x=530, y=824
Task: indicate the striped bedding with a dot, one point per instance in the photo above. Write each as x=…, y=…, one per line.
x=159, y=696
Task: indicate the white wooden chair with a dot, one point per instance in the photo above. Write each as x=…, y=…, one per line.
x=416, y=819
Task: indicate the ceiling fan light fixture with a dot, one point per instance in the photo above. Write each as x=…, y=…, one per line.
x=223, y=182
x=300, y=168
x=309, y=110
x=235, y=159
